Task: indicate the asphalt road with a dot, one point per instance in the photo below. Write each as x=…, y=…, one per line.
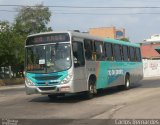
x=142, y=101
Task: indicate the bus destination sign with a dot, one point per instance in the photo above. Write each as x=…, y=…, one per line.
x=52, y=38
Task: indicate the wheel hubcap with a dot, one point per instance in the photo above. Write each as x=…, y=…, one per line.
x=91, y=88
x=127, y=83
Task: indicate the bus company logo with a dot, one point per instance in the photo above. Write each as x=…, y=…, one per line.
x=46, y=83
x=115, y=72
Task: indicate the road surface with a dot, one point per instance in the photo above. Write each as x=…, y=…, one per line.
x=142, y=101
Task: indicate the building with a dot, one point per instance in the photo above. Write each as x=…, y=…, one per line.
x=108, y=32
x=150, y=49
x=154, y=38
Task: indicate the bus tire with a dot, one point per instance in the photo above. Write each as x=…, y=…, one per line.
x=91, y=89
x=127, y=82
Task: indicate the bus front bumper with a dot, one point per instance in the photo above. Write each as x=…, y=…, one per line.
x=48, y=89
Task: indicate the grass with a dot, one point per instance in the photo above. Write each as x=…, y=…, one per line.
x=12, y=81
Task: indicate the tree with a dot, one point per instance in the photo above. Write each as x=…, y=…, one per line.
x=4, y=25
x=125, y=39
x=31, y=20
x=11, y=47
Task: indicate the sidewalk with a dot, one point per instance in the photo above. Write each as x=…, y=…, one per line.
x=151, y=78
x=8, y=87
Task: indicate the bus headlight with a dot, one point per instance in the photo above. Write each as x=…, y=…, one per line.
x=67, y=79
x=29, y=82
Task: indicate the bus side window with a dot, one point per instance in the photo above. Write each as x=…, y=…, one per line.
x=99, y=50
x=88, y=45
x=138, y=55
x=125, y=53
x=78, y=54
x=117, y=52
x=132, y=54
x=121, y=52
x=108, y=52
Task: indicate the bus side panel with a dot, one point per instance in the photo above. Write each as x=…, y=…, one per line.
x=110, y=74
x=102, y=75
x=113, y=73
x=135, y=69
x=79, y=82
x=136, y=72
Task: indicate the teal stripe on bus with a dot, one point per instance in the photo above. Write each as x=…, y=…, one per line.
x=121, y=42
x=105, y=79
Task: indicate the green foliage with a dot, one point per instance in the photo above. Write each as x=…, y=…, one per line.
x=11, y=49
x=29, y=20
x=32, y=20
x=125, y=39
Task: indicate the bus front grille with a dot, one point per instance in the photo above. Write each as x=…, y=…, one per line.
x=47, y=77
x=47, y=88
x=47, y=83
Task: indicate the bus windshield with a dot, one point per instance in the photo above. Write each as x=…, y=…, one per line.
x=48, y=58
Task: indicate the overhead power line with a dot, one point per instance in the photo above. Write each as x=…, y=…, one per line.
x=90, y=13
x=9, y=10
x=86, y=13
x=108, y=13
x=107, y=7
x=93, y=7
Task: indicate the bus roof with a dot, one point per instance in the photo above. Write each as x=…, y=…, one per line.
x=121, y=42
x=110, y=40
x=88, y=36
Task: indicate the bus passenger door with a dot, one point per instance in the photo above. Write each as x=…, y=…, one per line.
x=79, y=66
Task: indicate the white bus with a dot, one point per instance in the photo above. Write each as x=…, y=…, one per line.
x=71, y=62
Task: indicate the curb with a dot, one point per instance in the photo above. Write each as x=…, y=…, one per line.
x=151, y=78
x=12, y=87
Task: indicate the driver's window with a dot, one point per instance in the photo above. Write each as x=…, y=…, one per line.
x=78, y=54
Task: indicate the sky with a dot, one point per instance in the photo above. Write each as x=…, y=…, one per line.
x=139, y=23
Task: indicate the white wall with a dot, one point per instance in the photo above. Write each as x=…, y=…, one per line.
x=151, y=68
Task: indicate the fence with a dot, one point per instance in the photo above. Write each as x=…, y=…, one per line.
x=151, y=68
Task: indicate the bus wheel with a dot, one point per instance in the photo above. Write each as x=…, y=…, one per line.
x=91, y=89
x=127, y=82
